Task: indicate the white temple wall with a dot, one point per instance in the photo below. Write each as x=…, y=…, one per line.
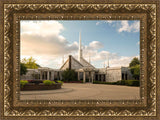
x=113, y=75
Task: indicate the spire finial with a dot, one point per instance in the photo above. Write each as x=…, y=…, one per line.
x=79, y=40
x=108, y=60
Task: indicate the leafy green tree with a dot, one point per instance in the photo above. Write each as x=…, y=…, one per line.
x=69, y=75
x=30, y=63
x=135, y=61
x=23, y=69
x=135, y=70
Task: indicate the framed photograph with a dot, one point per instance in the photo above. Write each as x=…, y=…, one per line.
x=79, y=59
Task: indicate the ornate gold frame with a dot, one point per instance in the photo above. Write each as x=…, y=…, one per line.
x=14, y=11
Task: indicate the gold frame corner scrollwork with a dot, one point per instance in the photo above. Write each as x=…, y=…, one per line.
x=13, y=13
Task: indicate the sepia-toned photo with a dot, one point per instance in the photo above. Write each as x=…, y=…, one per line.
x=80, y=60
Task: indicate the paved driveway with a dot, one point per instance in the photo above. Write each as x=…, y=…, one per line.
x=86, y=91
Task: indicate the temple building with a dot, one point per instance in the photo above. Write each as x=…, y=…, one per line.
x=84, y=70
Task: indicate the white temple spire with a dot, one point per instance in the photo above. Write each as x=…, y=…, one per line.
x=80, y=47
x=108, y=60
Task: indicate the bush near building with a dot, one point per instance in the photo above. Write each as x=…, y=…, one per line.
x=121, y=82
x=60, y=82
x=99, y=82
x=130, y=82
x=48, y=82
x=69, y=75
x=23, y=82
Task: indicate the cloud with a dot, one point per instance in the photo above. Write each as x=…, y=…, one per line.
x=95, y=45
x=44, y=42
x=121, y=61
x=98, y=58
x=97, y=23
x=109, y=21
x=43, y=28
x=105, y=21
x=134, y=27
x=44, y=39
x=122, y=25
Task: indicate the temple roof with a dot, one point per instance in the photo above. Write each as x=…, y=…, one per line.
x=72, y=63
x=85, y=63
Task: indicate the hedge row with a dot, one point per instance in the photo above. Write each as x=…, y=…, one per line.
x=99, y=82
x=121, y=82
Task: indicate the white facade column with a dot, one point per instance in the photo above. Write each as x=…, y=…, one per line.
x=84, y=77
x=78, y=76
x=47, y=75
x=60, y=75
x=92, y=75
x=52, y=75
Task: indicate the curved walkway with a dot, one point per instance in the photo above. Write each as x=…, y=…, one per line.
x=87, y=91
x=44, y=92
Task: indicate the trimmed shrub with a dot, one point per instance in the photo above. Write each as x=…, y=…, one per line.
x=118, y=82
x=121, y=82
x=60, y=82
x=99, y=82
x=48, y=82
x=132, y=82
x=23, y=82
x=53, y=82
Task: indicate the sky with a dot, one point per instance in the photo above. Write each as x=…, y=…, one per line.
x=50, y=42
